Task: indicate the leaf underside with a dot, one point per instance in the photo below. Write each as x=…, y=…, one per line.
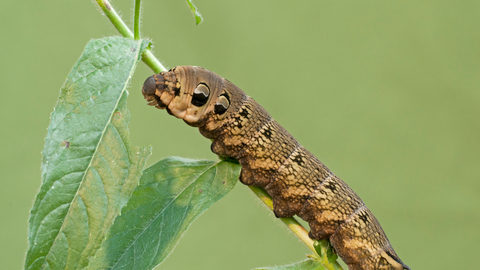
x=89, y=169
x=171, y=195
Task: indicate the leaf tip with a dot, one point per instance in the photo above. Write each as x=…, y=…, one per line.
x=198, y=16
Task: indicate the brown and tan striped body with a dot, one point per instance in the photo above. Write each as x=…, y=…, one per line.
x=271, y=158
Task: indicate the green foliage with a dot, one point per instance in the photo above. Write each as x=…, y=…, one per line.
x=89, y=168
x=198, y=17
x=171, y=195
x=326, y=251
x=308, y=264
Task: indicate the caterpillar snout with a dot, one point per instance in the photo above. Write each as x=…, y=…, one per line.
x=160, y=89
x=150, y=88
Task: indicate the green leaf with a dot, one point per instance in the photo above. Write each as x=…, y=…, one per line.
x=320, y=247
x=331, y=255
x=171, y=195
x=89, y=168
x=325, y=251
x=198, y=17
x=307, y=264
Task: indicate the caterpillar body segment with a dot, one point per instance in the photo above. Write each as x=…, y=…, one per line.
x=273, y=159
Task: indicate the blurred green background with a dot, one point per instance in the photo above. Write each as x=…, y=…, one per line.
x=385, y=93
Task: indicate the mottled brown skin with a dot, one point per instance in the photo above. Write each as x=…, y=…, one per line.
x=271, y=158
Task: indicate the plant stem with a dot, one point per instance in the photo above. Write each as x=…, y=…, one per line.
x=291, y=222
x=136, y=22
x=147, y=56
x=150, y=60
x=296, y=228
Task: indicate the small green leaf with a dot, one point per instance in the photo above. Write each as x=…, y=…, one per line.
x=198, y=17
x=307, y=264
x=319, y=247
x=89, y=168
x=325, y=251
x=171, y=195
x=331, y=254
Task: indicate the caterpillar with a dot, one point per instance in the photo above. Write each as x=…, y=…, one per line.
x=273, y=159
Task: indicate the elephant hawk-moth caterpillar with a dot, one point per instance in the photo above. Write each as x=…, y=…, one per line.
x=271, y=158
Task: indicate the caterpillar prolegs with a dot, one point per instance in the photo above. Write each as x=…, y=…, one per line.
x=271, y=158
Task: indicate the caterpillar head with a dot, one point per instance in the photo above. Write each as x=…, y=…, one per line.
x=193, y=94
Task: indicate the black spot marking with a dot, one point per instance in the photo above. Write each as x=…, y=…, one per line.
x=363, y=217
x=267, y=133
x=331, y=186
x=298, y=159
x=244, y=113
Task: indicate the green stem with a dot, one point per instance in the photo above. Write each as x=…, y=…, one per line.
x=136, y=22
x=147, y=56
x=151, y=61
x=291, y=222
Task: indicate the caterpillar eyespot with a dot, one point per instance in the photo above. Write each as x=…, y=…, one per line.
x=200, y=95
x=271, y=158
x=222, y=105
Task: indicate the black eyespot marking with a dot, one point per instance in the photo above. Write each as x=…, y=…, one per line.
x=222, y=104
x=200, y=95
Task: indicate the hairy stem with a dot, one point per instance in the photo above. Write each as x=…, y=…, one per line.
x=151, y=61
x=147, y=56
x=291, y=222
x=136, y=22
